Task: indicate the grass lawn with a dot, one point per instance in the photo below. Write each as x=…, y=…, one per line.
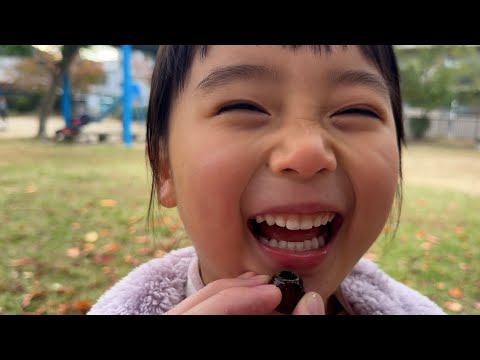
x=72, y=223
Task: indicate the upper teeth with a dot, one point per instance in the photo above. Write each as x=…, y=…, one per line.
x=297, y=222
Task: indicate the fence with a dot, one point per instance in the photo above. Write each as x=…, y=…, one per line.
x=462, y=126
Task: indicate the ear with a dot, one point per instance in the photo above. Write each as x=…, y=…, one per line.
x=167, y=197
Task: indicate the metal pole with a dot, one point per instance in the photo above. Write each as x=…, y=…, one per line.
x=66, y=100
x=127, y=96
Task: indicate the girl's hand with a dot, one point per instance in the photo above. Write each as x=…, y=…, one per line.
x=310, y=304
x=248, y=294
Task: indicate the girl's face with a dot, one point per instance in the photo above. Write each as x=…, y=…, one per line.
x=282, y=159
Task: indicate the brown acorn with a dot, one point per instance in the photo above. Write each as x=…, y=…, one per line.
x=291, y=286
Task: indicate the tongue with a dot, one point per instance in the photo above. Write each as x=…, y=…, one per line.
x=282, y=233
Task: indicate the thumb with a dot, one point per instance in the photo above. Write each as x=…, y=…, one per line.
x=310, y=304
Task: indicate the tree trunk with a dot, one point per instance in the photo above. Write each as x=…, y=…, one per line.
x=48, y=102
x=68, y=54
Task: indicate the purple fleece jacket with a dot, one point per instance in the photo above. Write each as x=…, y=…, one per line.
x=158, y=285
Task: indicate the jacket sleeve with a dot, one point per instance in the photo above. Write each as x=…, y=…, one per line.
x=370, y=291
x=150, y=289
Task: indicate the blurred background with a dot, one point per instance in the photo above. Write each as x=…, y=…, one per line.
x=74, y=182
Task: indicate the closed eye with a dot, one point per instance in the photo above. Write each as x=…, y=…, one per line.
x=241, y=106
x=357, y=112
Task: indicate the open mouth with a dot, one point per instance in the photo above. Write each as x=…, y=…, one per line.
x=296, y=232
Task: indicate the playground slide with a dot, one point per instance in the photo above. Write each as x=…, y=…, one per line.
x=109, y=110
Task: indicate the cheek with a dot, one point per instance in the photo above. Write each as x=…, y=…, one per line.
x=374, y=174
x=210, y=176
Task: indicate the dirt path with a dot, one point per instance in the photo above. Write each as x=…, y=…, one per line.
x=451, y=169
x=24, y=127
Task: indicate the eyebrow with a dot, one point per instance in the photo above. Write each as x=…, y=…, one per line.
x=223, y=75
x=361, y=78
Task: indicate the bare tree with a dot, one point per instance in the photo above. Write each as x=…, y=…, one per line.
x=68, y=54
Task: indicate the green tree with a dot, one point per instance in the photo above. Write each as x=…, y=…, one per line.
x=432, y=77
x=16, y=50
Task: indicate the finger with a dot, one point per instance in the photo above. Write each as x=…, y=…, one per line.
x=215, y=287
x=247, y=275
x=256, y=300
x=310, y=304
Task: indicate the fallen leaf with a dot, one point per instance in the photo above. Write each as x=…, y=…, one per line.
x=110, y=248
x=440, y=285
x=458, y=230
x=75, y=226
x=172, y=227
x=82, y=306
x=66, y=290
x=107, y=270
x=27, y=274
x=129, y=259
x=55, y=286
x=88, y=248
x=102, y=259
x=426, y=246
x=62, y=308
x=21, y=262
x=132, y=229
x=477, y=305
x=370, y=256
x=167, y=220
x=40, y=310
x=73, y=252
x=140, y=239
x=167, y=245
x=420, y=234
x=386, y=229
x=159, y=253
x=104, y=232
x=424, y=266
x=132, y=219
x=60, y=289
x=463, y=266
x=421, y=202
x=432, y=238
x=455, y=292
x=31, y=189
x=27, y=298
x=108, y=203
x=453, y=306
x=145, y=251
x=91, y=236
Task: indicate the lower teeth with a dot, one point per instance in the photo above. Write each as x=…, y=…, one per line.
x=299, y=246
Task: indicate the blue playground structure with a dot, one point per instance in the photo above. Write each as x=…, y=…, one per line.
x=130, y=92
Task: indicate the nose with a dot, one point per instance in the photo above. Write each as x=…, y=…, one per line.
x=303, y=151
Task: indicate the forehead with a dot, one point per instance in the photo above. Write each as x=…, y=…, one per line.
x=295, y=60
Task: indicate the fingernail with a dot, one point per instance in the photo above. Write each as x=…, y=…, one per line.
x=313, y=303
